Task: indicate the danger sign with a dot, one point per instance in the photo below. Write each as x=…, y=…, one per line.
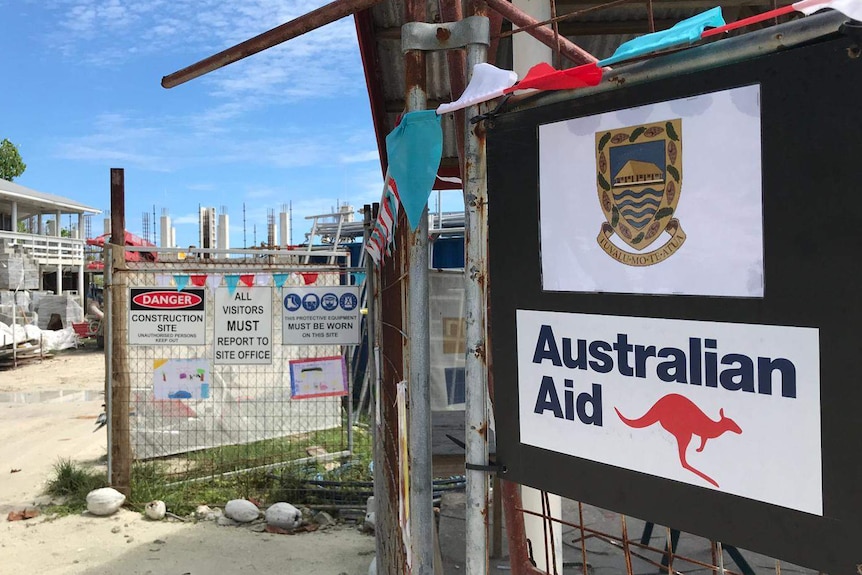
x=159, y=316
x=320, y=315
x=243, y=326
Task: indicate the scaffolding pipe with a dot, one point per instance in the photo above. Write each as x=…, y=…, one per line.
x=451, y=11
x=541, y=33
x=476, y=373
x=287, y=31
x=419, y=344
x=381, y=494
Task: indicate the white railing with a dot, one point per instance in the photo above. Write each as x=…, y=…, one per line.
x=46, y=249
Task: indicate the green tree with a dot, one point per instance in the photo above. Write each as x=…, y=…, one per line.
x=11, y=165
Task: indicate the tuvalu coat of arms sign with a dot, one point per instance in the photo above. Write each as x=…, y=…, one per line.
x=639, y=181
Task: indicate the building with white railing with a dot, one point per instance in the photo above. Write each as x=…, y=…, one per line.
x=34, y=242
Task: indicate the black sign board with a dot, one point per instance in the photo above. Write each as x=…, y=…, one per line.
x=674, y=303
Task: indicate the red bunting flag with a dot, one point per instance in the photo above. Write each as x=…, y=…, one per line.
x=543, y=76
x=247, y=279
x=309, y=277
x=851, y=8
x=199, y=280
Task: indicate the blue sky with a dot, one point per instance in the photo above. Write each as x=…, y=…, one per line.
x=82, y=95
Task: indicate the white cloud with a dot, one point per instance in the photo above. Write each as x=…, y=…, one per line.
x=320, y=63
x=358, y=157
x=186, y=219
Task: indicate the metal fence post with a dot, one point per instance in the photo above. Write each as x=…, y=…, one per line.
x=107, y=327
x=121, y=460
x=419, y=346
x=475, y=368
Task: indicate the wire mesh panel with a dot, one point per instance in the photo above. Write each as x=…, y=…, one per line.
x=596, y=540
x=216, y=415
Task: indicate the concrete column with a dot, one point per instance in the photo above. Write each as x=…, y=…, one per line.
x=526, y=50
x=81, y=296
x=537, y=531
x=81, y=226
x=14, y=216
x=59, y=290
x=57, y=224
x=39, y=225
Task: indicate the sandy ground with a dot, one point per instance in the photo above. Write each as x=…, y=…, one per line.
x=47, y=412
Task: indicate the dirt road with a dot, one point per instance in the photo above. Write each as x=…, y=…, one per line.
x=48, y=411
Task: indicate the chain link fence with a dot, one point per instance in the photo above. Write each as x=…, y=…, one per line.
x=208, y=423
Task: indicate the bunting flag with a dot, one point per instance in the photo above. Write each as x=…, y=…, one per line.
x=213, y=281
x=850, y=8
x=488, y=82
x=383, y=231
x=358, y=278
x=247, y=279
x=414, y=149
x=262, y=279
x=373, y=251
x=163, y=280
x=683, y=33
x=309, y=277
x=543, y=76
x=280, y=279
x=232, y=281
x=199, y=280
x=182, y=280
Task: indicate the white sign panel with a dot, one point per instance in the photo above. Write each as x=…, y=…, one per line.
x=243, y=326
x=160, y=316
x=320, y=315
x=181, y=378
x=729, y=407
x=659, y=199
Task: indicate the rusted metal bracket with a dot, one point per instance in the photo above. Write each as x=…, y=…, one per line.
x=493, y=113
x=492, y=467
x=446, y=35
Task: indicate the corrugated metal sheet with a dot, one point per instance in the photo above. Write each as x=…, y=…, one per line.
x=388, y=17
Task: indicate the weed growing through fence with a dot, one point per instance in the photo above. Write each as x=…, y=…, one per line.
x=71, y=483
x=297, y=469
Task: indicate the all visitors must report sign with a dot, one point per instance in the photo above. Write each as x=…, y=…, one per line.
x=159, y=316
x=320, y=315
x=243, y=326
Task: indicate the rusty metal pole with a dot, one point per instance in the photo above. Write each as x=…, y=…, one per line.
x=419, y=345
x=476, y=369
x=451, y=11
x=121, y=445
x=541, y=33
x=287, y=31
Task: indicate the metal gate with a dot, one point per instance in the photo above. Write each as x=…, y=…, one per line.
x=206, y=415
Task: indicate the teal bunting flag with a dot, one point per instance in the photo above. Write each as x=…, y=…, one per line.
x=414, y=149
x=280, y=279
x=684, y=32
x=182, y=280
x=232, y=281
x=358, y=278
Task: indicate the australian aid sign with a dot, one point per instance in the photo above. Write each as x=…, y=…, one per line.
x=723, y=406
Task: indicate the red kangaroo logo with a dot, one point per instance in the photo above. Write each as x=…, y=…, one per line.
x=682, y=419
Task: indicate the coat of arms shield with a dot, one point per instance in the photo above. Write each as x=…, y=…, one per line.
x=639, y=181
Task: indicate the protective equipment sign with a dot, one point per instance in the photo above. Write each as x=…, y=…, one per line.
x=705, y=403
x=243, y=326
x=160, y=316
x=320, y=315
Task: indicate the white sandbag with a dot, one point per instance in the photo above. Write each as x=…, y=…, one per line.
x=104, y=501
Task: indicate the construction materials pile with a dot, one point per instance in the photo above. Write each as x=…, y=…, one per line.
x=22, y=344
x=66, y=307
